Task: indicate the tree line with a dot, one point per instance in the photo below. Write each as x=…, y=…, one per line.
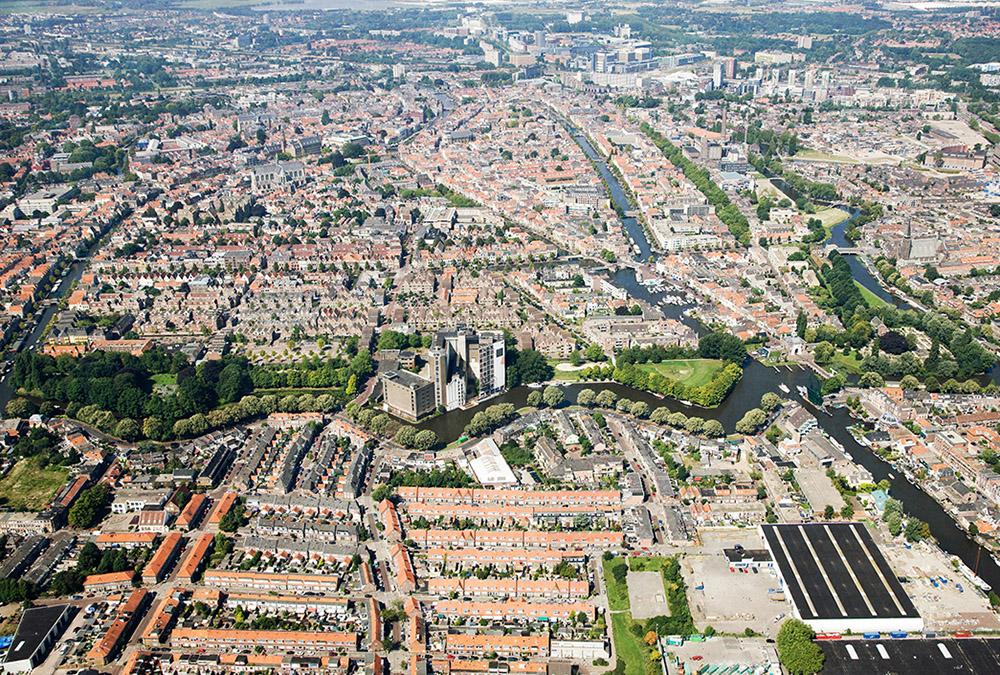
x=727, y=212
x=117, y=392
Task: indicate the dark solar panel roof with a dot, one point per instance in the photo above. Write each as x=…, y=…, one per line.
x=835, y=570
x=35, y=624
x=911, y=656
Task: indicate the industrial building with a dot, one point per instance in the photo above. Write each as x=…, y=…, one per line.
x=36, y=633
x=838, y=580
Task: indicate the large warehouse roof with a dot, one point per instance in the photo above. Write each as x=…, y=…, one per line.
x=838, y=579
x=862, y=657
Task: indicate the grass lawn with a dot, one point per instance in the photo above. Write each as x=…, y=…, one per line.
x=851, y=364
x=42, y=7
x=831, y=217
x=617, y=592
x=629, y=648
x=164, y=379
x=567, y=372
x=870, y=298
x=691, y=372
x=30, y=487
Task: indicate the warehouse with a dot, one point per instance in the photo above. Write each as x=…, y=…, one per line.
x=861, y=657
x=838, y=580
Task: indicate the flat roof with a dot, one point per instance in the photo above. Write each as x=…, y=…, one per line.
x=862, y=657
x=406, y=379
x=835, y=571
x=34, y=625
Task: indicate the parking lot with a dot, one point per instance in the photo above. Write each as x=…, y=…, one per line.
x=731, y=601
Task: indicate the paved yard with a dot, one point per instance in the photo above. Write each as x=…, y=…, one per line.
x=646, y=595
x=732, y=601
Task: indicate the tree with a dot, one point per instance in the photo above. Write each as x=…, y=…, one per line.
x=527, y=366
x=20, y=407
x=234, y=382
x=713, y=429
x=832, y=385
x=534, y=399
x=909, y=382
x=721, y=345
x=796, y=649
x=770, y=401
x=916, y=530
x=894, y=343
x=406, y=436
x=751, y=421
x=828, y=512
x=973, y=530
x=381, y=492
x=895, y=524
x=234, y=518
x=425, y=439
x=640, y=409
x=847, y=512
x=606, y=398
x=823, y=352
x=552, y=395
x=871, y=379
x=128, y=429
x=89, y=507
x=585, y=397
x=801, y=323
x=594, y=353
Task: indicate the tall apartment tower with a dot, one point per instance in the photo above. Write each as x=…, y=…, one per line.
x=461, y=357
x=729, y=66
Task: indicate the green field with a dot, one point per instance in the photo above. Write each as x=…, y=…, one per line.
x=691, y=372
x=617, y=593
x=831, y=217
x=29, y=487
x=629, y=648
x=850, y=364
x=164, y=379
x=42, y=7
x=870, y=298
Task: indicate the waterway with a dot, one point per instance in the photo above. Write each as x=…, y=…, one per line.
x=757, y=380
x=858, y=267
x=41, y=320
x=632, y=226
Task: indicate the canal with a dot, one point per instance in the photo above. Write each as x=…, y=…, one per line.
x=42, y=320
x=757, y=380
x=623, y=204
